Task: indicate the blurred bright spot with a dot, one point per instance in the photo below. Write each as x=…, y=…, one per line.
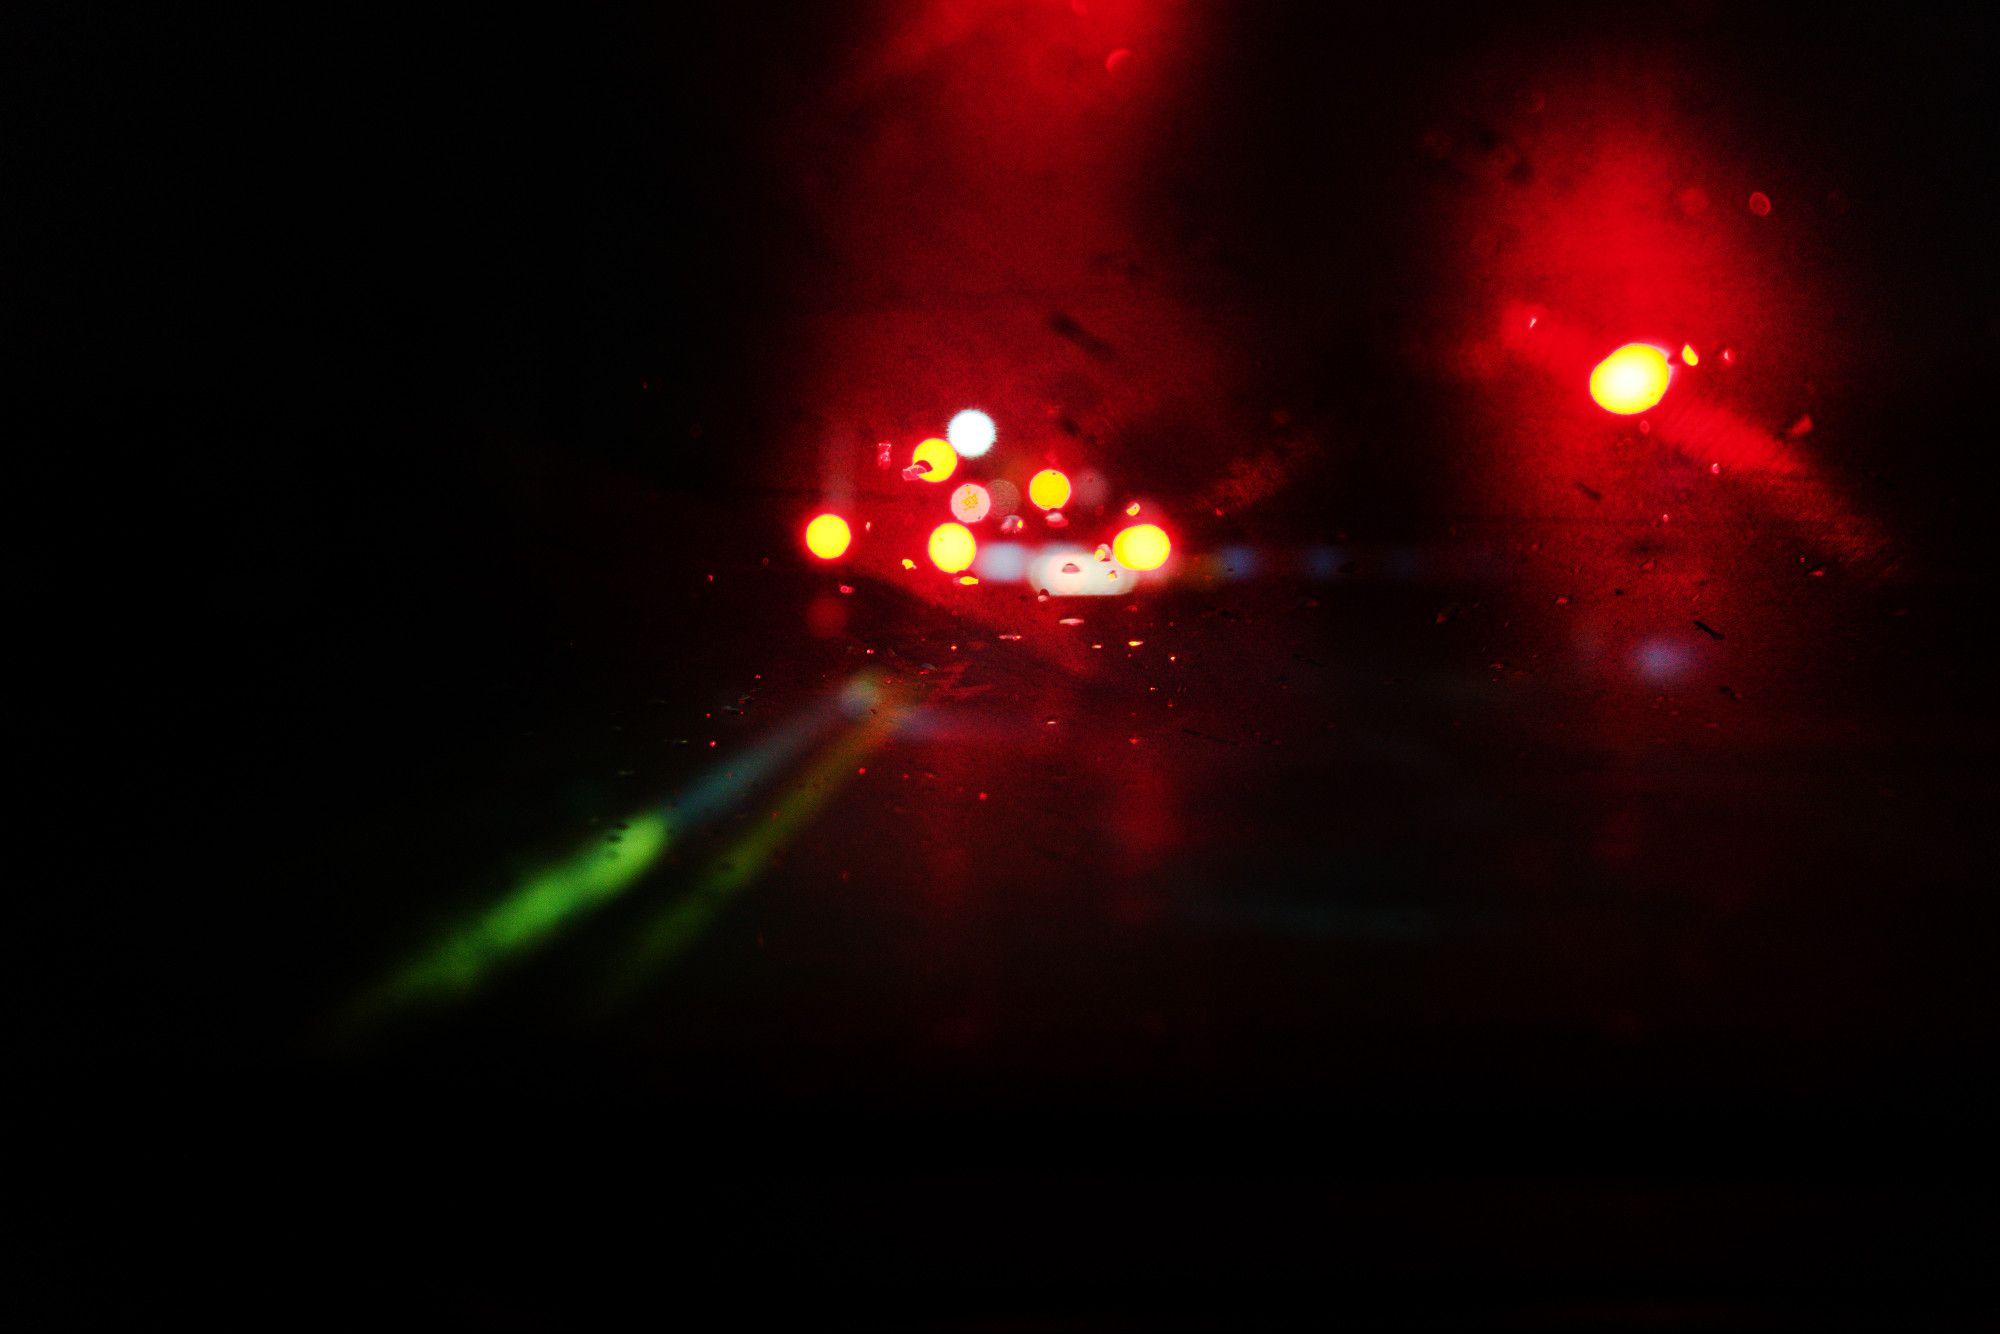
x=909, y=564
x=1002, y=560
x=1688, y=355
x=941, y=458
x=968, y=578
x=1760, y=204
x=952, y=547
x=1659, y=661
x=1068, y=571
x=971, y=433
x=970, y=502
x=1115, y=62
x=1133, y=508
x=827, y=537
x=1631, y=380
x=1049, y=489
x=1143, y=546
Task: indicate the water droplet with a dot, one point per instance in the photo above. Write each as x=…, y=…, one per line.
x=915, y=472
x=1013, y=523
x=882, y=452
x=1070, y=620
x=1103, y=551
x=1041, y=595
x=1009, y=636
x=1760, y=204
x=1070, y=567
x=1055, y=519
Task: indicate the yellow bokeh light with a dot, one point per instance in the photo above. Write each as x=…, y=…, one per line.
x=1143, y=546
x=827, y=537
x=952, y=547
x=941, y=457
x=1049, y=489
x=1631, y=380
x=1689, y=355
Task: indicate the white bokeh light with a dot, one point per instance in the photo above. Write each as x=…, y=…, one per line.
x=971, y=433
x=970, y=503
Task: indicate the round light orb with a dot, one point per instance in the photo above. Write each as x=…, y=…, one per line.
x=970, y=503
x=971, y=433
x=1143, y=546
x=952, y=547
x=941, y=459
x=1049, y=489
x=1631, y=380
x=827, y=537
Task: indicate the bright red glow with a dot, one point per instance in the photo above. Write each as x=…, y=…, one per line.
x=1631, y=380
x=1049, y=489
x=827, y=537
x=1143, y=546
x=940, y=456
x=952, y=547
x=1760, y=204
